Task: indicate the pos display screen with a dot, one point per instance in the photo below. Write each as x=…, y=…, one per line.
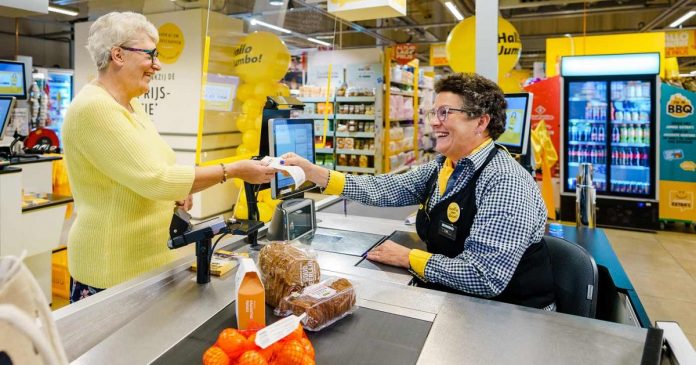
x=6, y=104
x=12, y=79
x=290, y=135
x=519, y=113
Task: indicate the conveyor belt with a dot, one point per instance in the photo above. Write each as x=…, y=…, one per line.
x=365, y=337
x=344, y=242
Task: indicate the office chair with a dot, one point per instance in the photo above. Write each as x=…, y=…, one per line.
x=575, y=277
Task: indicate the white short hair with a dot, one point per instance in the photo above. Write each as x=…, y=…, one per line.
x=116, y=29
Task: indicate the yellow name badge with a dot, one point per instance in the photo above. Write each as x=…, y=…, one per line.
x=453, y=212
x=420, y=206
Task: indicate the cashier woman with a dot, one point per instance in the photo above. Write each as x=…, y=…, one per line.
x=480, y=213
x=123, y=175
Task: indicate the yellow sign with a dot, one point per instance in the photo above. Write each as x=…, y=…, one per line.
x=677, y=200
x=420, y=206
x=171, y=43
x=366, y=9
x=680, y=43
x=461, y=46
x=453, y=212
x=679, y=106
x=438, y=55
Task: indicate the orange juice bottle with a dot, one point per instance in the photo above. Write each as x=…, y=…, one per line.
x=250, y=303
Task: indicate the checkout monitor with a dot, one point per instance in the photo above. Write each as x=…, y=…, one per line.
x=6, y=105
x=519, y=113
x=12, y=79
x=290, y=135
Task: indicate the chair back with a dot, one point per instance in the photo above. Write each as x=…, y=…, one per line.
x=575, y=277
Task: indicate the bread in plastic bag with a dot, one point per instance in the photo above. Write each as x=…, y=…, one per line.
x=324, y=303
x=286, y=268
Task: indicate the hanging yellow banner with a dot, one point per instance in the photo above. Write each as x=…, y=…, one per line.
x=438, y=55
x=680, y=43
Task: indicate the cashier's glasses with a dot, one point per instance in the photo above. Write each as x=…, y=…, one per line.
x=153, y=53
x=442, y=112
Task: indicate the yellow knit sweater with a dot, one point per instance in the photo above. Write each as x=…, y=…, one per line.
x=124, y=181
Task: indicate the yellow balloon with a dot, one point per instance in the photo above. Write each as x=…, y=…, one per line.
x=265, y=211
x=242, y=150
x=242, y=123
x=509, y=84
x=265, y=196
x=241, y=211
x=273, y=202
x=238, y=183
x=257, y=123
x=252, y=107
x=282, y=90
x=251, y=139
x=461, y=46
x=244, y=92
x=264, y=89
x=262, y=56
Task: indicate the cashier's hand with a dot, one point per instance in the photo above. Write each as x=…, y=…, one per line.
x=390, y=253
x=314, y=173
x=185, y=204
x=252, y=171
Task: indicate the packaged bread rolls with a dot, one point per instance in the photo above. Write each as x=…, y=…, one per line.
x=324, y=303
x=286, y=268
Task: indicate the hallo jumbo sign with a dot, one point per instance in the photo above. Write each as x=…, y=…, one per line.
x=679, y=106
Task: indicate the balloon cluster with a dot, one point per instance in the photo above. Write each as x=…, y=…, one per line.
x=260, y=61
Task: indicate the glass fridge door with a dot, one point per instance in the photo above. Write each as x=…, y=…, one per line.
x=631, y=114
x=586, y=131
x=60, y=95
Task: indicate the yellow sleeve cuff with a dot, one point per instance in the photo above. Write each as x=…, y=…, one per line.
x=418, y=259
x=337, y=181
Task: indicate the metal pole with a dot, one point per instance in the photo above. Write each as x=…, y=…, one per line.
x=487, y=39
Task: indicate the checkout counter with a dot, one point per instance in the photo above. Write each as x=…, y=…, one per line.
x=165, y=317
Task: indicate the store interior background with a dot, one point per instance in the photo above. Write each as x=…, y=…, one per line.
x=661, y=265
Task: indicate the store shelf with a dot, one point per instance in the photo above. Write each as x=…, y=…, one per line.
x=588, y=143
x=355, y=152
x=366, y=170
x=315, y=99
x=324, y=150
x=402, y=93
x=355, y=117
x=635, y=98
x=401, y=83
x=625, y=144
x=356, y=134
x=422, y=87
x=641, y=122
x=400, y=119
x=629, y=167
x=400, y=169
x=355, y=99
x=600, y=121
x=315, y=116
x=587, y=99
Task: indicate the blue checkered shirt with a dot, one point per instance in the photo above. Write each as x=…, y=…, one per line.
x=510, y=216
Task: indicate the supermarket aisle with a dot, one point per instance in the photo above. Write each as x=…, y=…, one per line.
x=662, y=268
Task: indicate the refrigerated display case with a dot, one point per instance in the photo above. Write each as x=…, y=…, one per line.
x=60, y=94
x=610, y=120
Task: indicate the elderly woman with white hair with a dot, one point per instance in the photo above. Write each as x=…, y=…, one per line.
x=123, y=175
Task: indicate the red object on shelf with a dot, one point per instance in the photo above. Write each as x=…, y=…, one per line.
x=41, y=136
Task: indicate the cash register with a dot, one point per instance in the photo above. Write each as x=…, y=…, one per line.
x=6, y=106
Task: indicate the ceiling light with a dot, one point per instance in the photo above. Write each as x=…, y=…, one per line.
x=275, y=2
x=275, y=27
x=453, y=9
x=55, y=9
x=325, y=36
x=684, y=18
x=318, y=41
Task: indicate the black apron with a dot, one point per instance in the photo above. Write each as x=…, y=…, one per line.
x=531, y=284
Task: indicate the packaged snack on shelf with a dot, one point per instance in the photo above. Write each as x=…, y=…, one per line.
x=286, y=268
x=324, y=303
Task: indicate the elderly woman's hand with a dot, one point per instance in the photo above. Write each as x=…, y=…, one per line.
x=314, y=173
x=252, y=171
x=185, y=204
x=390, y=253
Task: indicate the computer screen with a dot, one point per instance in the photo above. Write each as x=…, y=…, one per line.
x=290, y=135
x=519, y=114
x=12, y=79
x=6, y=104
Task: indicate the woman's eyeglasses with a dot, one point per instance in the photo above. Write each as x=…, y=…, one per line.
x=442, y=112
x=153, y=53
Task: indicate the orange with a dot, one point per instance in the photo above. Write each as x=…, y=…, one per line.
x=296, y=334
x=232, y=342
x=215, y=356
x=309, y=349
x=292, y=353
x=251, y=358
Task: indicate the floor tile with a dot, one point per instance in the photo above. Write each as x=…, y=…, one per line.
x=661, y=309
x=661, y=262
x=664, y=285
x=692, y=339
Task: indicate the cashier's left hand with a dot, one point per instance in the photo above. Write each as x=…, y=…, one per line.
x=185, y=204
x=390, y=253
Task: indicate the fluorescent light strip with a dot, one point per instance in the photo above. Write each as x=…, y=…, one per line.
x=318, y=41
x=453, y=9
x=324, y=37
x=54, y=9
x=684, y=18
x=274, y=27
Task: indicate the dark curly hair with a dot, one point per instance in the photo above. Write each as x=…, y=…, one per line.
x=480, y=96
